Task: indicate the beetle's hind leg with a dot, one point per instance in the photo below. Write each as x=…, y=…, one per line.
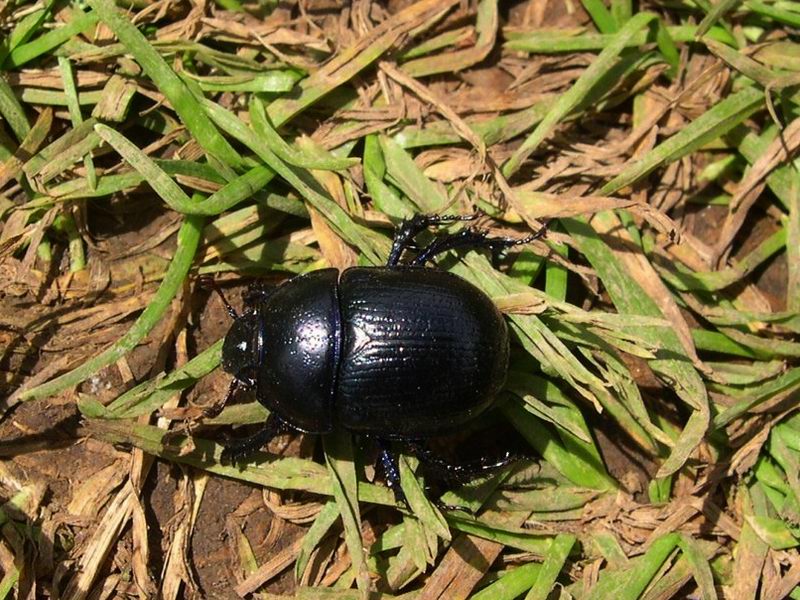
x=472, y=238
x=241, y=449
x=460, y=472
x=391, y=471
x=410, y=228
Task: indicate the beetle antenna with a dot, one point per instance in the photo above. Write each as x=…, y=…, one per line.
x=210, y=283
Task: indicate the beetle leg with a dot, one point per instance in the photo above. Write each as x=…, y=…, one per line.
x=213, y=410
x=208, y=282
x=410, y=228
x=234, y=453
x=257, y=293
x=461, y=472
x=471, y=238
x=390, y=470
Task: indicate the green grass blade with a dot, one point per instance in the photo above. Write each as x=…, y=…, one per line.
x=542, y=342
x=11, y=168
x=621, y=10
x=631, y=582
x=573, y=461
x=699, y=565
x=783, y=181
x=712, y=124
x=512, y=584
x=601, y=16
x=152, y=394
x=520, y=538
x=672, y=362
x=430, y=516
x=47, y=42
x=668, y=49
x=556, y=41
x=273, y=81
x=318, y=530
x=553, y=563
x=284, y=473
x=578, y=92
x=12, y=111
x=781, y=386
x=230, y=195
x=425, y=195
x=382, y=195
x=188, y=241
x=165, y=79
x=71, y=92
x=341, y=467
x=301, y=181
x=61, y=154
x=781, y=15
x=717, y=11
x=25, y=28
x=324, y=161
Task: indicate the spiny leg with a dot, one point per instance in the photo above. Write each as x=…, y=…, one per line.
x=241, y=449
x=410, y=228
x=390, y=469
x=445, y=473
x=460, y=472
x=471, y=238
x=208, y=282
x=209, y=412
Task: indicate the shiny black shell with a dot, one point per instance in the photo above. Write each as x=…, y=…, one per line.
x=396, y=352
x=296, y=371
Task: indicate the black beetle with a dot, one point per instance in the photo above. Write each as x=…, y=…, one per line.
x=401, y=352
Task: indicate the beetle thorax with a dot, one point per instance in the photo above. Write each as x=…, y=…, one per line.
x=301, y=329
x=243, y=347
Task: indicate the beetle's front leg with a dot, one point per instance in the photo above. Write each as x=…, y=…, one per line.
x=236, y=452
x=215, y=408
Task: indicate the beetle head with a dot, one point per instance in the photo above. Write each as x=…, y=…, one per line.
x=243, y=347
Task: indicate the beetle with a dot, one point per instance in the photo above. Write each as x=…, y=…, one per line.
x=401, y=352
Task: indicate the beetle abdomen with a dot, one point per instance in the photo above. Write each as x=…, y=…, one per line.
x=302, y=340
x=423, y=352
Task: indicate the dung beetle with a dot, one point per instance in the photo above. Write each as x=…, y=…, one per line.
x=401, y=352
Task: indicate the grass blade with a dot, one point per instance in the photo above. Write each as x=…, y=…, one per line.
x=577, y=93
x=430, y=516
x=12, y=111
x=318, y=530
x=553, y=563
x=176, y=91
x=725, y=115
x=672, y=362
x=188, y=241
x=81, y=21
x=305, y=185
x=233, y=193
x=341, y=467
